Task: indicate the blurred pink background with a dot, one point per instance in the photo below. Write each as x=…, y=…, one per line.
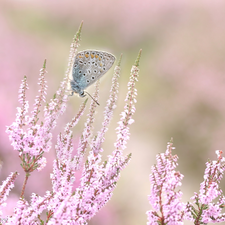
x=181, y=88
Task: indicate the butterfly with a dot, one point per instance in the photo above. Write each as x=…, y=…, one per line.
x=88, y=67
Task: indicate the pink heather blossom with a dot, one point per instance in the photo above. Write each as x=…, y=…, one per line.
x=41, y=163
x=5, y=188
x=29, y=136
x=98, y=179
x=210, y=201
x=164, y=199
x=108, y=113
x=129, y=109
x=166, y=202
x=85, y=137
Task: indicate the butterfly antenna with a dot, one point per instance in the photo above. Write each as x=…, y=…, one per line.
x=92, y=98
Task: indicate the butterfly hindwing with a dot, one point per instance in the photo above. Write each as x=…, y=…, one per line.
x=90, y=65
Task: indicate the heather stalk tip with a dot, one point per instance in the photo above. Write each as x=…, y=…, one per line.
x=120, y=59
x=138, y=58
x=44, y=65
x=77, y=36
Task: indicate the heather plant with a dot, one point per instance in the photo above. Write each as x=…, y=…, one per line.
x=165, y=198
x=31, y=138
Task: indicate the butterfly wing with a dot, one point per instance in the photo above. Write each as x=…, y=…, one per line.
x=90, y=65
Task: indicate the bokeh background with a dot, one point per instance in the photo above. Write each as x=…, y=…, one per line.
x=181, y=88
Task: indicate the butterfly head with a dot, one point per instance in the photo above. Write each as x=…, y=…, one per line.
x=82, y=94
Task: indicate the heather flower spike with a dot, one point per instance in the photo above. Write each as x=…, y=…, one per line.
x=87, y=132
x=210, y=201
x=5, y=188
x=108, y=113
x=30, y=137
x=164, y=199
x=129, y=109
x=98, y=178
x=41, y=98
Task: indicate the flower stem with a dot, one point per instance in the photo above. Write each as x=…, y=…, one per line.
x=24, y=185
